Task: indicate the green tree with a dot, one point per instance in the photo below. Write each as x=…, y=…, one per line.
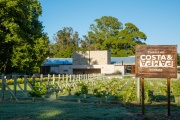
x=24, y=45
x=65, y=42
x=108, y=34
x=178, y=59
x=104, y=30
x=126, y=40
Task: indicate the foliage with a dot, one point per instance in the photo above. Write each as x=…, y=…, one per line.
x=65, y=43
x=24, y=45
x=108, y=34
x=84, y=87
x=69, y=89
x=20, y=80
x=178, y=59
x=102, y=33
x=52, y=88
x=127, y=40
x=78, y=93
x=101, y=91
x=39, y=89
x=175, y=88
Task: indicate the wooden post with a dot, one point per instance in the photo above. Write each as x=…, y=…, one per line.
x=168, y=95
x=49, y=78
x=15, y=83
x=59, y=78
x=66, y=78
x=143, y=109
x=138, y=91
x=53, y=78
x=25, y=83
x=41, y=78
x=79, y=77
x=63, y=78
x=3, y=87
x=84, y=77
x=70, y=77
x=33, y=79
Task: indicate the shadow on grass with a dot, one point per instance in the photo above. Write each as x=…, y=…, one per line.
x=63, y=110
x=67, y=108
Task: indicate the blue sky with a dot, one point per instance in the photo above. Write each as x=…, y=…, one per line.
x=158, y=19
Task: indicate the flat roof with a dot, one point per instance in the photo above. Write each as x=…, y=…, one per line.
x=68, y=61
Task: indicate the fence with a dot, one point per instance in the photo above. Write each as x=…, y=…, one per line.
x=63, y=81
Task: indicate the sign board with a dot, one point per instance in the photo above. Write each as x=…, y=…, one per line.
x=156, y=61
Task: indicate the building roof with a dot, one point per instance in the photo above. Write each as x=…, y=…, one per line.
x=123, y=60
x=58, y=61
x=68, y=61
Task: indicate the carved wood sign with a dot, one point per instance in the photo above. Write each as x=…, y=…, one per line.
x=156, y=61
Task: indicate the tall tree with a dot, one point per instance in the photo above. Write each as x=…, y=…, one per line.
x=24, y=45
x=105, y=28
x=66, y=41
x=108, y=34
x=126, y=40
x=178, y=59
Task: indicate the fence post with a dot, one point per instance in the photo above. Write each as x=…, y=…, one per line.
x=86, y=76
x=79, y=77
x=33, y=79
x=63, y=78
x=70, y=77
x=25, y=83
x=41, y=78
x=53, y=79
x=15, y=83
x=138, y=91
x=83, y=75
x=3, y=86
x=59, y=77
x=49, y=78
x=66, y=78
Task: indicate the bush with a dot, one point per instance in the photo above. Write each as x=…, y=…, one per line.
x=39, y=89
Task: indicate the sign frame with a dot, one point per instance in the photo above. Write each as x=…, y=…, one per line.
x=156, y=61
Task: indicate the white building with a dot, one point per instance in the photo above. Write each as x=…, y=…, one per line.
x=87, y=62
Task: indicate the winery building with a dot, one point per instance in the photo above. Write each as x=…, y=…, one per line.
x=88, y=62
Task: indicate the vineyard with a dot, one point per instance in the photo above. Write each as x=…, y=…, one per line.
x=106, y=89
x=91, y=89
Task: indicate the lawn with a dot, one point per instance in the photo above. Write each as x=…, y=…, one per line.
x=61, y=110
x=119, y=102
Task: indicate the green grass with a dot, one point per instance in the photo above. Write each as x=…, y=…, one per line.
x=60, y=110
x=67, y=108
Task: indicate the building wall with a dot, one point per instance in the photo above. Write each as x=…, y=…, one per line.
x=65, y=69
x=91, y=58
x=54, y=69
x=87, y=69
x=119, y=68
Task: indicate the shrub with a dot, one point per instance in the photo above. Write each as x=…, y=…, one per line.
x=39, y=89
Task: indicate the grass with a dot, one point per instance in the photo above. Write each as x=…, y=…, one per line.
x=67, y=108
x=61, y=110
x=58, y=110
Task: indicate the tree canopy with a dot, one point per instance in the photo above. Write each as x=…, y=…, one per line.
x=66, y=41
x=24, y=45
x=108, y=34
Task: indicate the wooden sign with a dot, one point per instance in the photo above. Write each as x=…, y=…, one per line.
x=156, y=61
